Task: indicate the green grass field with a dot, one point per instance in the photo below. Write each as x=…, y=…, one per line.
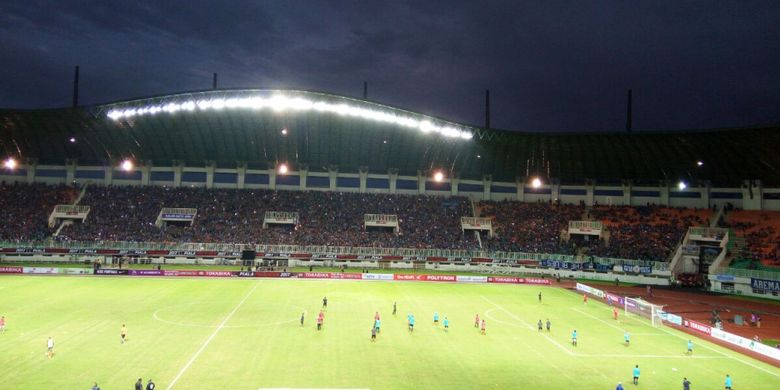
x=244, y=334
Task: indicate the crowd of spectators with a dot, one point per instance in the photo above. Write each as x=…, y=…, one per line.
x=644, y=232
x=126, y=213
x=25, y=209
x=530, y=227
x=760, y=231
x=227, y=215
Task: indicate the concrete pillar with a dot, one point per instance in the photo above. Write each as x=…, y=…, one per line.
x=521, y=189
x=31, y=166
x=303, y=174
x=393, y=175
x=333, y=178
x=146, y=173
x=555, y=190
x=272, y=179
x=454, y=185
x=363, y=172
x=211, y=166
x=421, y=182
x=241, y=176
x=626, y=193
x=487, y=182
x=109, y=174
x=705, y=194
x=663, y=190
x=70, y=171
x=752, y=198
x=590, y=188
x=178, y=169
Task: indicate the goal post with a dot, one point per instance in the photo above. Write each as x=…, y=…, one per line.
x=643, y=308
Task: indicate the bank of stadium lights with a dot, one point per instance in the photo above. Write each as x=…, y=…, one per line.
x=127, y=165
x=682, y=185
x=10, y=163
x=280, y=103
x=536, y=182
x=438, y=176
x=282, y=169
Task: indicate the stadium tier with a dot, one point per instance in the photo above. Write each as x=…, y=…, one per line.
x=340, y=168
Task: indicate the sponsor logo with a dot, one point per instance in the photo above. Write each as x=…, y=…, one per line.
x=724, y=278
x=765, y=285
x=145, y=272
x=441, y=278
x=315, y=275
x=698, y=326
x=108, y=271
x=11, y=270
x=40, y=270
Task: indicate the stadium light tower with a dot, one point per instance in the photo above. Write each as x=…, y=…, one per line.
x=283, y=169
x=438, y=176
x=127, y=165
x=536, y=182
x=10, y=163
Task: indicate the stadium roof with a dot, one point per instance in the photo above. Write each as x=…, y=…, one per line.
x=324, y=130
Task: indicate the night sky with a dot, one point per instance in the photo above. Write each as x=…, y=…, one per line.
x=550, y=66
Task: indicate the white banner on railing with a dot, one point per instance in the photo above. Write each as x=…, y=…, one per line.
x=40, y=270
x=471, y=279
x=752, y=345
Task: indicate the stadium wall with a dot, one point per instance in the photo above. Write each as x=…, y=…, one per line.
x=750, y=196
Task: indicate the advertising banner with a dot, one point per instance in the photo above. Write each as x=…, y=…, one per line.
x=724, y=278
x=590, y=290
x=471, y=279
x=614, y=299
x=409, y=277
x=180, y=273
x=246, y=274
x=505, y=279
x=40, y=270
x=671, y=318
x=145, y=272
x=217, y=273
x=752, y=345
x=76, y=271
x=637, y=269
x=314, y=275
x=765, y=285
x=11, y=270
x=377, y=276
x=109, y=271
x=441, y=278
x=697, y=326
x=346, y=275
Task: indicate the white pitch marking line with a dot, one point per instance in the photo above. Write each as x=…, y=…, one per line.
x=528, y=325
x=208, y=340
x=613, y=326
x=710, y=348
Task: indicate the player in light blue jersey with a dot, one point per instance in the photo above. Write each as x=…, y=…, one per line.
x=636, y=375
x=627, y=338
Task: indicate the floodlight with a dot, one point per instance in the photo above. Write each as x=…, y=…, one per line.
x=10, y=163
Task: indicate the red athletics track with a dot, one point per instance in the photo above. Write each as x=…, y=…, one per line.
x=698, y=306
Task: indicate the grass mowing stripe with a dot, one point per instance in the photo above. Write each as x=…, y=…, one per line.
x=208, y=340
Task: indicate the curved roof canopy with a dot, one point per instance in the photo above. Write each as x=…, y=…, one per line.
x=320, y=131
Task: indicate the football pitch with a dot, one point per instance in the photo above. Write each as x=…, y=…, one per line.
x=245, y=334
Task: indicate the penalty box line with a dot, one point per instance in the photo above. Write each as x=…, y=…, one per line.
x=662, y=328
x=208, y=340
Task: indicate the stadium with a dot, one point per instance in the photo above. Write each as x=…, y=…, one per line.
x=221, y=226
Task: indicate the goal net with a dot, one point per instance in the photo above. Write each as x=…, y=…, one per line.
x=645, y=309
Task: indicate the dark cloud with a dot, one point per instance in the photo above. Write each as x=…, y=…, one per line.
x=550, y=65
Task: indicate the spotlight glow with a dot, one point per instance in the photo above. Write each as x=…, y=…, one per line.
x=10, y=163
x=681, y=185
x=699, y=163
x=278, y=102
x=536, y=182
x=127, y=165
x=283, y=169
x=284, y=131
x=438, y=176
x=72, y=140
